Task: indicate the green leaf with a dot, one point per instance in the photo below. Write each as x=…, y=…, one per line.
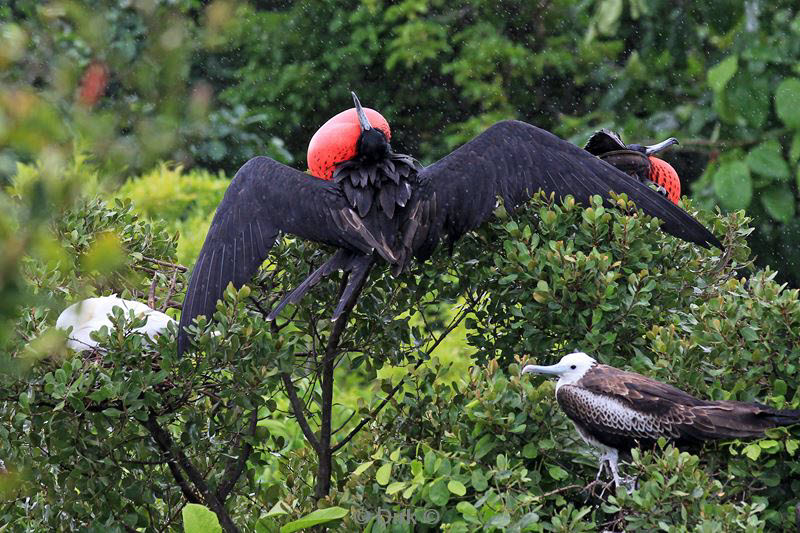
x=479, y=482
x=439, y=494
x=484, y=445
x=320, y=516
x=530, y=450
x=456, y=487
x=383, y=473
x=199, y=519
x=787, y=96
x=794, y=151
x=767, y=159
x=779, y=387
x=733, y=185
x=779, y=201
x=720, y=74
x=557, y=473
x=395, y=487
x=607, y=16
x=749, y=334
x=362, y=468
x=753, y=451
x=430, y=462
x=791, y=446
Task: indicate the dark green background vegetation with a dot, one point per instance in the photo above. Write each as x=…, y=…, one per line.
x=162, y=101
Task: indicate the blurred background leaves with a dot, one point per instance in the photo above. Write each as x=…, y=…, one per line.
x=161, y=101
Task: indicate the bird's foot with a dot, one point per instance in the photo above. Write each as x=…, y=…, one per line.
x=656, y=187
x=593, y=486
x=629, y=483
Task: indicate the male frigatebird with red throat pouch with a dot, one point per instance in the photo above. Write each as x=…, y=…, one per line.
x=370, y=202
x=638, y=161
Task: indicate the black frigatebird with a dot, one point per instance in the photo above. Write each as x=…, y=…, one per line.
x=638, y=161
x=379, y=203
x=615, y=411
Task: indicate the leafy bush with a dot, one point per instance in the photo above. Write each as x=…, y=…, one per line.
x=95, y=440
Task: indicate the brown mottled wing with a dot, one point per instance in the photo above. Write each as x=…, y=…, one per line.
x=638, y=391
x=514, y=160
x=264, y=199
x=648, y=409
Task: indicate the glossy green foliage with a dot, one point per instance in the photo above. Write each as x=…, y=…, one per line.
x=488, y=450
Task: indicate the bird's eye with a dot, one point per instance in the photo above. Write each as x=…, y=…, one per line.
x=573, y=367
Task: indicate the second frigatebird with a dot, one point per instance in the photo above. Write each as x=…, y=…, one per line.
x=615, y=411
x=638, y=161
x=378, y=203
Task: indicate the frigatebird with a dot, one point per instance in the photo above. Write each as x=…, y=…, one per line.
x=638, y=161
x=615, y=411
x=382, y=204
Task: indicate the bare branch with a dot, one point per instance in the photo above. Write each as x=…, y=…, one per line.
x=236, y=466
x=164, y=441
x=297, y=407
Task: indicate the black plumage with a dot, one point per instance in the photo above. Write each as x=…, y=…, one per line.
x=385, y=203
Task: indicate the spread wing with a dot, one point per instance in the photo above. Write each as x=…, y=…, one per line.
x=264, y=199
x=514, y=160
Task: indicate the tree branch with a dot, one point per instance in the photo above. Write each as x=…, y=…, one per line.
x=164, y=441
x=455, y=322
x=328, y=365
x=236, y=466
x=297, y=407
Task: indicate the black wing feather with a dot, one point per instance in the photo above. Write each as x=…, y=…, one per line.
x=513, y=159
x=264, y=199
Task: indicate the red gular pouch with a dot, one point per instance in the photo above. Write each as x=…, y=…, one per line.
x=662, y=173
x=336, y=141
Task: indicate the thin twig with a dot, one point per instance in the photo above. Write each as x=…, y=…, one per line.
x=453, y=323
x=236, y=466
x=170, y=290
x=166, y=264
x=151, y=294
x=297, y=407
x=164, y=441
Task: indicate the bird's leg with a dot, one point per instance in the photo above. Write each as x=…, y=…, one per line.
x=613, y=460
x=613, y=463
x=603, y=460
x=359, y=268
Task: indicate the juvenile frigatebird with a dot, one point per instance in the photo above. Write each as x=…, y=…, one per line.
x=638, y=161
x=383, y=204
x=615, y=411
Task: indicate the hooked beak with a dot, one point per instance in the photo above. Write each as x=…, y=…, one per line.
x=655, y=148
x=362, y=117
x=552, y=370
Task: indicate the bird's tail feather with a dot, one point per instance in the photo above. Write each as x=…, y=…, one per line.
x=338, y=261
x=729, y=419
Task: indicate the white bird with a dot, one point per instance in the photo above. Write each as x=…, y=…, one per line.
x=92, y=314
x=615, y=411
